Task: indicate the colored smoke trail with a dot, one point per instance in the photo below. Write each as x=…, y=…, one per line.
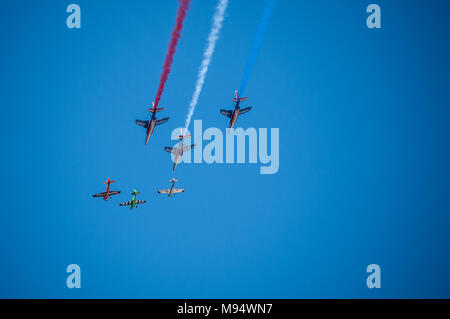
x=256, y=45
x=176, y=34
x=207, y=56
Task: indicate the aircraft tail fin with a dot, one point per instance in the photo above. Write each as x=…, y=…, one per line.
x=173, y=180
x=108, y=181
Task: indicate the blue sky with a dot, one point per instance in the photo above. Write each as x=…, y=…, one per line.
x=363, y=119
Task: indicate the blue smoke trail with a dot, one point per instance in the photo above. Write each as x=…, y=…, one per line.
x=256, y=45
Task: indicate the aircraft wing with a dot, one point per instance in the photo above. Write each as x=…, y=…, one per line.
x=144, y=124
x=170, y=149
x=188, y=148
x=140, y=202
x=227, y=113
x=245, y=110
x=177, y=190
x=161, y=121
x=126, y=203
x=99, y=194
x=163, y=191
x=114, y=192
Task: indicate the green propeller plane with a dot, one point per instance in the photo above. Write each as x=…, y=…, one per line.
x=133, y=202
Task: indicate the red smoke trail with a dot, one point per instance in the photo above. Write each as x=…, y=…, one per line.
x=176, y=34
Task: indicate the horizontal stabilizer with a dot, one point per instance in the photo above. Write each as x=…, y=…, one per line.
x=156, y=110
x=240, y=99
x=182, y=137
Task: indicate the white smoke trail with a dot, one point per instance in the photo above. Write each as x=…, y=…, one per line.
x=207, y=56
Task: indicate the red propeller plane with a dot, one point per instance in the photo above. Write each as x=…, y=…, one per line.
x=107, y=193
x=234, y=114
x=180, y=149
x=150, y=125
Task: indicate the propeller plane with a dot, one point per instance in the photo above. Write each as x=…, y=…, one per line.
x=171, y=191
x=107, y=193
x=133, y=202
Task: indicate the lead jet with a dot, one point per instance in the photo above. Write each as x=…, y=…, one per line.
x=133, y=202
x=171, y=191
x=234, y=114
x=107, y=193
x=179, y=150
x=150, y=125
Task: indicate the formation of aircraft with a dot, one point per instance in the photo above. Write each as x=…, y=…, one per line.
x=107, y=193
x=234, y=114
x=177, y=151
x=171, y=191
x=133, y=202
x=180, y=149
x=150, y=125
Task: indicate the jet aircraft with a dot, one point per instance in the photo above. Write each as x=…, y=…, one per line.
x=150, y=125
x=234, y=114
x=179, y=150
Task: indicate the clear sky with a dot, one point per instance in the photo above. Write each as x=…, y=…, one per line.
x=363, y=179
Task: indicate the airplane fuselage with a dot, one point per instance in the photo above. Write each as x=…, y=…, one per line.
x=107, y=192
x=171, y=189
x=133, y=202
x=178, y=155
x=150, y=127
x=234, y=116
